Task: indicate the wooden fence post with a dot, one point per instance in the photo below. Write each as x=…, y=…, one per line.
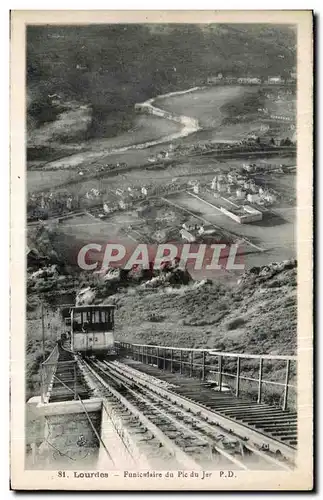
x=285, y=402
x=42, y=382
x=180, y=362
x=171, y=360
x=238, y=377
x=191, y=363
x=260, y=380
x=75, y=395
x=220, y=373
x=203, y=366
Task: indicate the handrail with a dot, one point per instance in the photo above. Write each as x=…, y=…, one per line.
x=51, y=355
x=182, y=359
x=214, y=352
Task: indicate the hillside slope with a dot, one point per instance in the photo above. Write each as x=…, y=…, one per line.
x=111, y=67
x=258, y=316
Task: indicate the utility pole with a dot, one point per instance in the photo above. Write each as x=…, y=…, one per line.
x=43, y=329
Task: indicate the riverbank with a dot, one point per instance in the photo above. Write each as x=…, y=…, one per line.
x=160, y=128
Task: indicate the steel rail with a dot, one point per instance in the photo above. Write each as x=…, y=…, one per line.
x=242, y=431
x=173, y=449
x=197, y=434
x=243, y=444
x=130, y=448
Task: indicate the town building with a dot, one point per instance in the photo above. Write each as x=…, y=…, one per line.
x=269, y=197
x=92, y=194
x=135, y=193
x=249, y=167
x=231, y=177
x=230, y=79
x=221, y=187
x=186, y=235
x=206, y=231
x=191, y=224
x=253, y=197
x=249, y=80
x=110, y=206
x=215, y=79
x=243, y=215
x=196, y=188
x=214, y=183
x=253, y=213
x=240, y=180
x=107, y=208
x=274, y=80
x=69, y=203
x=241, y=194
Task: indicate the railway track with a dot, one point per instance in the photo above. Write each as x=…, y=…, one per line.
x=67, y=379
x=186, y=433
x=268, y=426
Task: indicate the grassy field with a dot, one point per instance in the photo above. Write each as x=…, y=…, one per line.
x=285, y=104
x=86, y=228
x=38, y=180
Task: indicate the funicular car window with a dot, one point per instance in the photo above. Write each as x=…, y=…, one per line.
x=94, y=319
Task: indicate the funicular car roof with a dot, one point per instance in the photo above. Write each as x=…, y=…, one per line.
x=93, y=307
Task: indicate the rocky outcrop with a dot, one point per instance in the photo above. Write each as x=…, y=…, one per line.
x=259, y=275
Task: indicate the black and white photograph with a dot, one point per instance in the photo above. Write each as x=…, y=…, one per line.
x=162, y=252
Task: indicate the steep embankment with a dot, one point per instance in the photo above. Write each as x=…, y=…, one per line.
x=258, y=316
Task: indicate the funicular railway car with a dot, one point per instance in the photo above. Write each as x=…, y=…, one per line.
x=92, y=330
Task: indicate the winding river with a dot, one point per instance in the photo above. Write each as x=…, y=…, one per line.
x=185, y=126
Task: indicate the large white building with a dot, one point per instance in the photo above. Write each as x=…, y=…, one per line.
x=243, y=215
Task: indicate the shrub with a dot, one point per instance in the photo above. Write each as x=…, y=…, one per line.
x=32, y=304
x=235, y=323
x=155, y=317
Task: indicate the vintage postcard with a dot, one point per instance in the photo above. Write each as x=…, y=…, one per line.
x=161, y=250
